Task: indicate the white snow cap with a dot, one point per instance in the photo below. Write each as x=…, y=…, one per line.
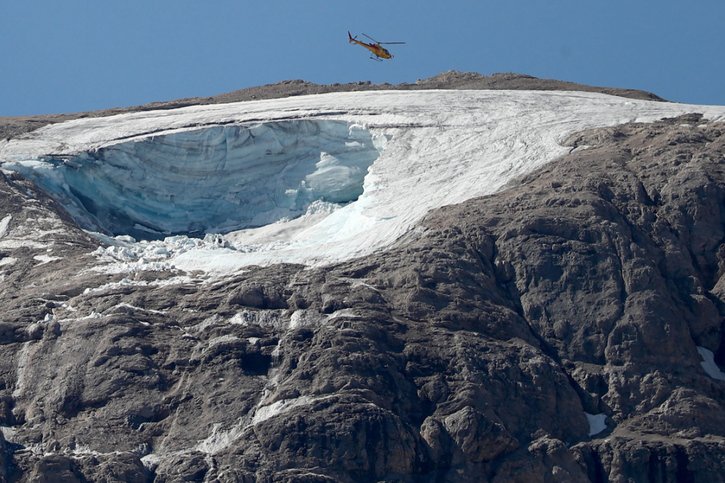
x=310, y=179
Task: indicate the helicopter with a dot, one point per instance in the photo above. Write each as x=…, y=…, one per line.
x=375, y=47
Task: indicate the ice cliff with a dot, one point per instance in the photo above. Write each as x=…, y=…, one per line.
x=212, y=180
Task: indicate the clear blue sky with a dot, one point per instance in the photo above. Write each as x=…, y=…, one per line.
x=73, y=55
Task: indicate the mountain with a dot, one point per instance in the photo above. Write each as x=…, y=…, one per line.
x=385, y=283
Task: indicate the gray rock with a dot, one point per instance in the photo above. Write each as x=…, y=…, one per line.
x=469, y=352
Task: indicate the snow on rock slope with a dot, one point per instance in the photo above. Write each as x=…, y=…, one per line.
x=311, y=179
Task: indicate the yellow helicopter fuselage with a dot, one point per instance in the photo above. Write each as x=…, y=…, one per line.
x=377, y=50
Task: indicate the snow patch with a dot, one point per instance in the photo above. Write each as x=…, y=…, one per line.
x=304, y=318
x=4, y=223
x=125, y=255
x=206, y=323
x=263, y=318
x=220, y=439
x=150, y=461
x=84, y=450
x=22, y=367
x=126, y=282
x=597, y=423
x=92, y=315
x=43, y=259
x=8, y=433
x=139, y=309
x=263, y=413
x=347, y=313
x=15, y=243
x=222, y=339
x=709, y=365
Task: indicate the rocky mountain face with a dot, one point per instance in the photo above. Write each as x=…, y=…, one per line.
x=558, y=330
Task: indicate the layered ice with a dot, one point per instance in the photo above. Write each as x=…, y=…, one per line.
x=216, y=179
x=309, y=179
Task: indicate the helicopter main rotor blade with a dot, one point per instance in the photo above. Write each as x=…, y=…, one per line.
x=382, y=43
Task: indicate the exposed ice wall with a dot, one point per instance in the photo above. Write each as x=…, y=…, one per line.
x=214, y=179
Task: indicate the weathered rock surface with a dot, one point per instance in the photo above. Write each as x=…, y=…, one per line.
x=472, y=351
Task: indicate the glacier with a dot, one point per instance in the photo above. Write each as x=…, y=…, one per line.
x=212, y=180
x=310, y=179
